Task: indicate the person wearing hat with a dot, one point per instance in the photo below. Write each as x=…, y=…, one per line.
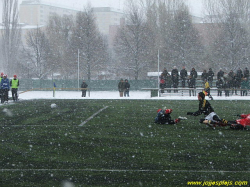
x=5, y=87
x=211, y=118
x=163, y=117
x=14, y=84
x=84, y=88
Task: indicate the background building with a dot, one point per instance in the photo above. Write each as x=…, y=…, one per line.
x=37, y=12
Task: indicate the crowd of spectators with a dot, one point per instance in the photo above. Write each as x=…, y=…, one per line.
x=230, y=82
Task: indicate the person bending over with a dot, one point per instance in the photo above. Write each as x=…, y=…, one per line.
x=163, y=117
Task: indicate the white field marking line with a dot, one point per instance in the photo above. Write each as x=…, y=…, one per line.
x=36, y=125
x=91, y=117
x=125, y=170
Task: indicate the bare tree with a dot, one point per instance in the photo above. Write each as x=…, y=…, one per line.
x=58, y=32
x=231, y=46
x=134, y=41
x=37, y=53
x=89, y=42
x=11, y=35
x=184, y=42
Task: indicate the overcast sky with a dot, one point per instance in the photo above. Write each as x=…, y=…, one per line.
x=195, y=5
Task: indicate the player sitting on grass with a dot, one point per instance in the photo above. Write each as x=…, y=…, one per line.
x=163, y=117
x=211, y=118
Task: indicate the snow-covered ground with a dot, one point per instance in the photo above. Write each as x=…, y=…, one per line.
x=114, y=95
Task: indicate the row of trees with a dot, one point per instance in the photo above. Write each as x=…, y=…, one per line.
x=152, y=27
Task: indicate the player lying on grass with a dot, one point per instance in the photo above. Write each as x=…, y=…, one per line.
x=242, y=123
x=211, y=118
x=163, y=117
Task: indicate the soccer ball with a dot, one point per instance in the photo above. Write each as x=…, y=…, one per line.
x=7, y=112
x=53, y=105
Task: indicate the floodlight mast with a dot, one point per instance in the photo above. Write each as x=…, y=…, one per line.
x=158, y=73
x=78, y=70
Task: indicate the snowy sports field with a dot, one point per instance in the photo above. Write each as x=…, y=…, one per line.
x=114, y=95
x=115, y=142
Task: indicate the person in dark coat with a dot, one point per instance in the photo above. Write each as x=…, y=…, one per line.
x=226, y=87
x=244, y=87
x=210, y=77
x=164, y=73
x=0, y=84
x=238, y=79
x=219, y=85
x=204, y=75
x=5, y=87
x=175, y=78
x=183, y=75
x=191, y=85
x=84, y=88
x=168, y=82
x=220, y=74
x=194, y=74
x=126, y=88
x=121, y=87
x=246, y=73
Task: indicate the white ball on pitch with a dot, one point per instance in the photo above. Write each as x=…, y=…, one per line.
x=7, y=112
x=53, y=105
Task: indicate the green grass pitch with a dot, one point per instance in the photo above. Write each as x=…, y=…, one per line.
x=119, y=146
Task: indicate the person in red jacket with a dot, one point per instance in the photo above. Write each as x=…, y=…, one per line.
x=242, y=123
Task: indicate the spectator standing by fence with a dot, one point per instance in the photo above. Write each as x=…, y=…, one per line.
x=204, y=75
x=210, y=77
x=194, y=75
x=168, y=82
x=164, y=73
x=14, y=84
x=175, y=78
x=126, y=88
x=238, y=79
x=0, y=84
x=220, y=74
x=183, y=75
x=244, y=87
x=227, y=87
x=246, y=73
x=5, y=86
x=219, y=85
x=121, y=87
x=84, y=88
x=191, y=85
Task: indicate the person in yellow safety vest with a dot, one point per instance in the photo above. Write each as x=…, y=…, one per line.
x=0, y=83
x=14, y=83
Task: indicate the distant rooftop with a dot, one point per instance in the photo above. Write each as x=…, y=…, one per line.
x=42, y=2
x=106, y=9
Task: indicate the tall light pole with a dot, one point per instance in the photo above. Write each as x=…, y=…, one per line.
x=78, y=70
x=158, y=73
